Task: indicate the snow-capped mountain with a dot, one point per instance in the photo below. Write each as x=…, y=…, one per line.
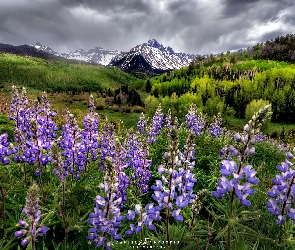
x=97, y=55
x=151, y=56
x=45, y=49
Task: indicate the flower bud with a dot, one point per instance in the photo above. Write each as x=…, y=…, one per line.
x=237, y=137
x=23, y=223
x=246, y=128
x=252, y=151
x=25, y=241
x=289, y=155
x=20, y=233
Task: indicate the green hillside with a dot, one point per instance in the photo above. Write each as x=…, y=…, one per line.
x=57, y=76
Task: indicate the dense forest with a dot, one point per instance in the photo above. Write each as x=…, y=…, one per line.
x=231, y=81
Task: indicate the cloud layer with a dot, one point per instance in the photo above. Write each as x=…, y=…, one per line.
x=191, y=26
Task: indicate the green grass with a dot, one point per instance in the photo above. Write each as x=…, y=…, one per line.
x=127, y=120
x=60, y=76
x=238, y=124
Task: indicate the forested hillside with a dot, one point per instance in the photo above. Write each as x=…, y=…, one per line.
x=226, y=83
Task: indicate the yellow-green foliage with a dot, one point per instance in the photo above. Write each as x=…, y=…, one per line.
x=236, y=84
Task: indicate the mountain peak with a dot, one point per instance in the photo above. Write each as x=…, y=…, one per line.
x=154, y=43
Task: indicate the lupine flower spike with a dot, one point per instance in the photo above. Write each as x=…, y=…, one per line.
x=215, y=128
x=143, y=217
x=282, y=194
x=106, y=219
x=239, y=177
x=89, y=136
x=156, y=125
x=137, y=153
x=195, y=123
x=30, y=226
x=174, y=191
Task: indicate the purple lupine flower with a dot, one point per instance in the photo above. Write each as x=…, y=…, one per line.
x=39, y=142
x=289, y=155
x=31, y=229
x=174, y=191
x=35, y=132
x=168, y=120
x=282, y=194
x=142, y=124
x=89, y=136
x=222, y=152
x=120, y=165
x=260, y=137
x=20, y=114
x=107, y=146
x=106, y=219
x=143, y=217
x=57, y=162
x=91, y=106
x=70, y=143
x=19, y=109
x=46, y=126
x=215, y=128
x=6, y=149
x=195, y=123
x=188, y=155
x=155, y=126
x=237, y=178
x=137, y=154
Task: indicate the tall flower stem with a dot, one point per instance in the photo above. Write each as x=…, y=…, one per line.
x=228, y=237
x=40, y=178
x=63, y=213
x=167, y=211
x=173, y=151
x=33, y=244
x=25, y=174
x=3, y=204
x=41, y=184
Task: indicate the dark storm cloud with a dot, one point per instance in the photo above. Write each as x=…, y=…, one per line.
x=109, y=5
x=236, y=7
x=192, y=26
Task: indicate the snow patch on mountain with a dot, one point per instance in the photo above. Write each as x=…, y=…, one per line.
x=97, y=55
x=156, y=55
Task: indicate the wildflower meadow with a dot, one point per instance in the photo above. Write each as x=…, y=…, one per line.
x=163, y=184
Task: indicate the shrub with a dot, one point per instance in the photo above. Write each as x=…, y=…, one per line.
x=100, y=104
x=126, y=109
x=115, y=108
x=138, y=109
x=274, y=134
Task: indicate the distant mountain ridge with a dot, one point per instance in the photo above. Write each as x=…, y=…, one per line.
x=145, y=59
x=97, y=55
x=26, y=50
x=148, y=58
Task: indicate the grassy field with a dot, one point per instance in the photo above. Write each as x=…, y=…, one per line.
x=60, y=76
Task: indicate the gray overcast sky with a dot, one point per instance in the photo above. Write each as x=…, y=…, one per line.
x=190, y=26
